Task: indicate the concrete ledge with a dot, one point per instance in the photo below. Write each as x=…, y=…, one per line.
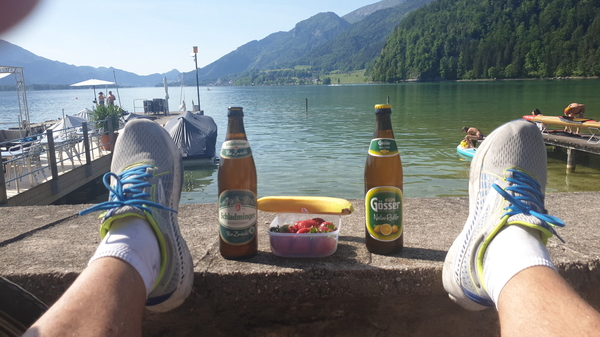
x=351, y=293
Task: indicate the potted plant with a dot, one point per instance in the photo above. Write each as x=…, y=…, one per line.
x=105, y=118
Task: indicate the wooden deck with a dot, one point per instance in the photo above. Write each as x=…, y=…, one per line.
x=58, y=171
x=52, y=174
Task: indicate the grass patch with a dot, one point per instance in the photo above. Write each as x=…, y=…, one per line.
x=351, y=77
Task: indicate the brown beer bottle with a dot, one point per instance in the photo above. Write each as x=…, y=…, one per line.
x=383, y=188
x=237, y=192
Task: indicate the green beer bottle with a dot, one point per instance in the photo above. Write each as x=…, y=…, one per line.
x=383, y=188
x=237, y=192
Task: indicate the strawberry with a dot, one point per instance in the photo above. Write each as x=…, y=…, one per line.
x=329, y=225
x=306, y=223
x=319, y=220
x=304, y=230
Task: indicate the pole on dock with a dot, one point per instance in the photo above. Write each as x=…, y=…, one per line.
x=570, y=160
x=86, y=146
x=53, y=164
x=3, y=194
x=197, y=83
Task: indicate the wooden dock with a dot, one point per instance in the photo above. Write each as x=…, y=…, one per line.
x=572, y=143
x=59, y=170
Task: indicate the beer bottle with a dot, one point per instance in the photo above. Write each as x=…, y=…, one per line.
x=383, y=188
x=237, y=192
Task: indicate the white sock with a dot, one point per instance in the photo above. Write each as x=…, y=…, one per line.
x=131, y=239
x=515, y=248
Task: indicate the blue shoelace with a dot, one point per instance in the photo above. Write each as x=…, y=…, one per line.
x=132, y=195
x=527, y=192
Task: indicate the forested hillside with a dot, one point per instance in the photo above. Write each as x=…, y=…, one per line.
x=278, y=49
x=365, y=11
x=468, y=39
x=360, y=44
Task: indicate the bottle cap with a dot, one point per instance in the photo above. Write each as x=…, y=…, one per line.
x=383, y=108
x=235, y=111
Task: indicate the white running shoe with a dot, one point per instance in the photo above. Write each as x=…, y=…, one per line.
x=147, y=175
x=506, y=187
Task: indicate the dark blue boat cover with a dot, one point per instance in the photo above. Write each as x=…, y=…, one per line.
x=195, y=135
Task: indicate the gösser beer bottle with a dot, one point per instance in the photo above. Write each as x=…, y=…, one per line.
x=237, y=192
x=383, y=188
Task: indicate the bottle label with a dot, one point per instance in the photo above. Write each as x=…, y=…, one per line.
x=384, y=216
x=383, y=147
x=236, y=149
x=237, y=216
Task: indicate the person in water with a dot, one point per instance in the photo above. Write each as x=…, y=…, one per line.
x=473, y=135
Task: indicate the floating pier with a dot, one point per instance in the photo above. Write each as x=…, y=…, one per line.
x=572, y=143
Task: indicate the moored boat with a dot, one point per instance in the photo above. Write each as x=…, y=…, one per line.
x=195, y=135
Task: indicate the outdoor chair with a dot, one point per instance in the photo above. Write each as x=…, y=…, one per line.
x=594, y=138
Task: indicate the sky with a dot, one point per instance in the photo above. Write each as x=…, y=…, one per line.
x=156, y=36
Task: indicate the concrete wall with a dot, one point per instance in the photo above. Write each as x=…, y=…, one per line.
x=351, y=293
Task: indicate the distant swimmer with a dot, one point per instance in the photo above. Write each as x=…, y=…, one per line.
x=473, y=135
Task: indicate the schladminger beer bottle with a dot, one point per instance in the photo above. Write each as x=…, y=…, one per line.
x=237, y=192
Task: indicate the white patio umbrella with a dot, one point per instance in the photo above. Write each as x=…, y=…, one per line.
x=92, y=83
x=67, y=122
x=85, y=114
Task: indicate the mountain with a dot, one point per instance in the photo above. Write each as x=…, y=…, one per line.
x=278, y=49
x=363, y=12
x=470, y=39
x=39, y=70
x=362, y=42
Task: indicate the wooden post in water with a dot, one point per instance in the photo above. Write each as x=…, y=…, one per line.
x=306, y=102
x=570, y=160
x=388, y=100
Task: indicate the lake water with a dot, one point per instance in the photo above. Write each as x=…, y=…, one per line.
x=322, y=151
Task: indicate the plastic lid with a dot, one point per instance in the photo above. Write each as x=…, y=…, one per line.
x=235, y=111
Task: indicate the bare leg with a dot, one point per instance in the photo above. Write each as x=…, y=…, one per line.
x=539, y=302
x=471, y=140
x=107, y=299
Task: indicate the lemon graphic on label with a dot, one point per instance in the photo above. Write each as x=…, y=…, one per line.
x=386, y=229
x=377, y=229
x=395, y=229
